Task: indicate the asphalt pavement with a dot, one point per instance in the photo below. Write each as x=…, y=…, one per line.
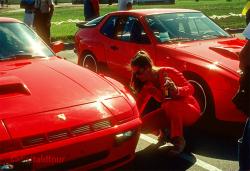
x=211, y=150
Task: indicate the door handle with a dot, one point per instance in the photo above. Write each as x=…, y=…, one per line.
x=114, y=47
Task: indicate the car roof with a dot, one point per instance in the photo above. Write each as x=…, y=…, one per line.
x=156, y=11
x=8, y=20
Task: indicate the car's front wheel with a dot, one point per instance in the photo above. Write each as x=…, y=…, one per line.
x=89, y=62
x=203, y=95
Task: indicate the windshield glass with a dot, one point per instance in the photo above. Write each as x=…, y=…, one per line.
x=18, y=40
x=172, y=27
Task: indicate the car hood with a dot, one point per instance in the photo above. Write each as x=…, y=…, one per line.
x=40, y=85
x=223, y=52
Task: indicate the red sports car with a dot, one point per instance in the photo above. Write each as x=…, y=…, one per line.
x=53, y=112
x=180, y=38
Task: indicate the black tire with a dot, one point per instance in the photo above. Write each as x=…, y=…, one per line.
x=89, y=62
x=203, y=95
x=207, y=121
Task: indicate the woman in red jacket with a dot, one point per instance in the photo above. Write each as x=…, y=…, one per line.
x=168, y=87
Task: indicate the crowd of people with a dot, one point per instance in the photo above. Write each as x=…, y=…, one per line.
x=166, y=86
x=38, y=14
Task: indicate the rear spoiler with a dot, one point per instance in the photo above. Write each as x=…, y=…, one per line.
x=84, y=24
x=234, y=31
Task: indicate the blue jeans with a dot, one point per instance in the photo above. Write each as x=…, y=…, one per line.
x=244, y=148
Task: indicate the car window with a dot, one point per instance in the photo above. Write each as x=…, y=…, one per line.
x=17, y=39
x=121, y=29
x=171, y=27
x=193, y=27
x=137, y=33
x=129, y=29
x=109, y=27
x=125, y=28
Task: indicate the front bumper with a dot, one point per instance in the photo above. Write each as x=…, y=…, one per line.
x=95, y=150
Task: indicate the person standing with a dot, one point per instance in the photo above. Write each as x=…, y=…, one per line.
x=28, y=6
x=125, y=5
x=2, y=2
x=42, y=21
x=242, y=102
x=91, y=9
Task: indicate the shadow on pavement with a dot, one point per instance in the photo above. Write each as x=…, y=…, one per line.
x=152, y=158
x=220, y=142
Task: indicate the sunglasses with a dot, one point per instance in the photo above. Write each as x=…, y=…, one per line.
x=139, y=72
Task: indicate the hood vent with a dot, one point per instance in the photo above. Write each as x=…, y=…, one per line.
x=231, y=52
x=101, y=125
x=81, y=130
x=65, y=134
x=58, y=135
x=30, y=141
x=12, y=86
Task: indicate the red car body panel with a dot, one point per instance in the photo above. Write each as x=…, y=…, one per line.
x=53, y=112
x=214, y=60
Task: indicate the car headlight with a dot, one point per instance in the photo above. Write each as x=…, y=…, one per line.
x=124, y=136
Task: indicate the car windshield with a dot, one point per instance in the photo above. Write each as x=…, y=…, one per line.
x=180, y=27
x=18, y=41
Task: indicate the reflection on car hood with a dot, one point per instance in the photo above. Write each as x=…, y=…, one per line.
x=225, y=52
x=32, y=86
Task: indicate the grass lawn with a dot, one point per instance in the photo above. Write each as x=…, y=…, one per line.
x=69, y=14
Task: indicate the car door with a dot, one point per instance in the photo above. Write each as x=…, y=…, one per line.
x=125, y=40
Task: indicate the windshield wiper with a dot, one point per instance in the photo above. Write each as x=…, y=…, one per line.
x=20, y=56
x=213, y=36
x=179, y=39
x=221, y=36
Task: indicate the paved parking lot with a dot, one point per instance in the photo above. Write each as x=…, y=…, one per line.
x=209, y=151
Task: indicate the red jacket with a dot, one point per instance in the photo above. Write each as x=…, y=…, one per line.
x=185, y=89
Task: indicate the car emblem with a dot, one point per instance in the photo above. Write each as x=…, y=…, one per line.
x=61, y=116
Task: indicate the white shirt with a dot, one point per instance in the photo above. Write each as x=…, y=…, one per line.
x=122, y=4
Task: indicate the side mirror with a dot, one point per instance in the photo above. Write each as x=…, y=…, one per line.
x=57, y=46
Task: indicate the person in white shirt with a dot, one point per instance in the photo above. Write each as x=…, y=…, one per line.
x=125, y=5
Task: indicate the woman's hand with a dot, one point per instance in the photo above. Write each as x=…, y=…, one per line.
x=170, y=86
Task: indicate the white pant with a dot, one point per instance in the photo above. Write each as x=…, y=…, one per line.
x=28, y=19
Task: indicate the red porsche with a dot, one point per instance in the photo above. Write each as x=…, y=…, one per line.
x=55, y=114
x=180, y=38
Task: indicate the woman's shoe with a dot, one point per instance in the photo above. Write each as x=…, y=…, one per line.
x=162, y=137
x=179, y=145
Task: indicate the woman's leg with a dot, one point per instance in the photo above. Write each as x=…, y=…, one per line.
x=179, y=113
x=153, y=121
